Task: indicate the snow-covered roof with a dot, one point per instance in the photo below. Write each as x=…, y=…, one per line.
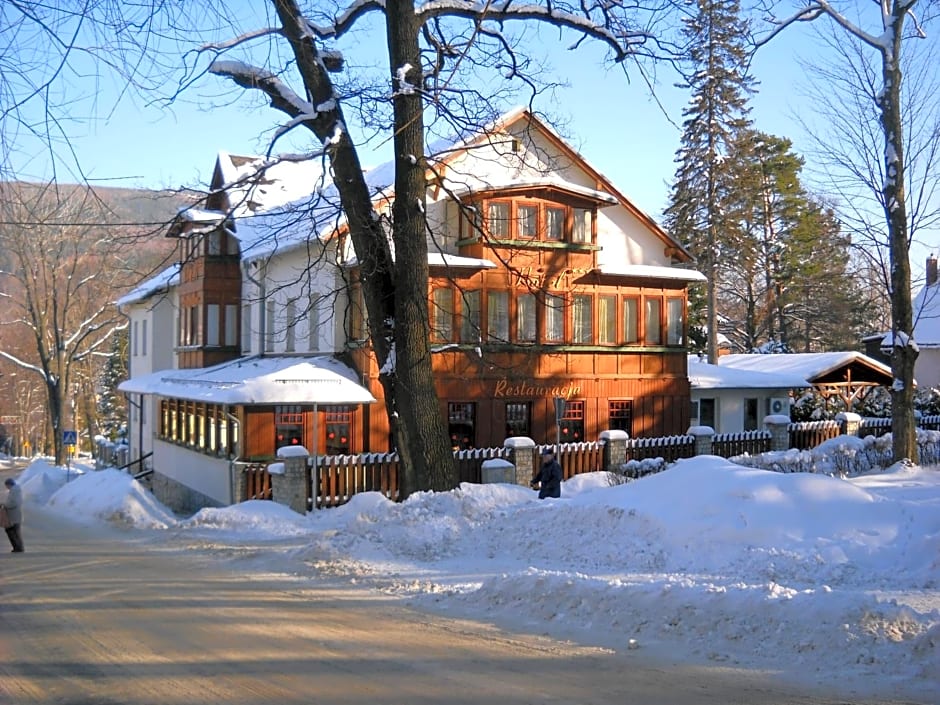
x=810, y=367
x=315, y=214
x=258, y=184
x=295, y=202
x=157, y=284
x=649, y=271
x=703, y=375
x=319, y=379
x=541, y=182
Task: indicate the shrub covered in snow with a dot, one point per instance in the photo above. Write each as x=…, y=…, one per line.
x=844, y=456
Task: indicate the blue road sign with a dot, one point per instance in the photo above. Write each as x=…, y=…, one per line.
x=69, y=438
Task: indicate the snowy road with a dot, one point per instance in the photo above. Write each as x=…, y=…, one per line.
x=99, y=615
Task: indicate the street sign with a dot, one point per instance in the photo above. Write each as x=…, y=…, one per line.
x=9, y=420
x=559, y=408
x=69, y=438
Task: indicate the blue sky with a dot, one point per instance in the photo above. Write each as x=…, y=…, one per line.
x=615, y=123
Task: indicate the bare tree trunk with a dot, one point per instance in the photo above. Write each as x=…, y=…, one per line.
x=423, y=442
x=903, y=353
x=396, y=305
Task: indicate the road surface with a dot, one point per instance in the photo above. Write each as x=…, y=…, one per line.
x=104, y=616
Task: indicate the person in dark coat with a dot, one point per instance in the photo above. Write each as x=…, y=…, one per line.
x=13, y=503
x=548, y=478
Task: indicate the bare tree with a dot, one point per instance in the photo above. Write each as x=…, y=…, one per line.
x=428, y=45
x=847, y=153
x=57, y=292
x=887, y=40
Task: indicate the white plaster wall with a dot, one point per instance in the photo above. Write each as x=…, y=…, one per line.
x=729, y=406
x=203, y=473
x=927, y=368
x=291, y=276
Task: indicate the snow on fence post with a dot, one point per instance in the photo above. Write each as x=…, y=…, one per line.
x=850, y=423
x=522, y=455
x=615, y=449
x=703, y=439
x=779, y=427
x=289, y=478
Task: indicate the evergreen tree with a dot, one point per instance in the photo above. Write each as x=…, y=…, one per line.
x=698, y=211
x=112, y=410
x=786, y=284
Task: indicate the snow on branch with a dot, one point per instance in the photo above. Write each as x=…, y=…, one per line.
x=595, y=21
x=22, y=364
x=818, y=8
x=282, y=96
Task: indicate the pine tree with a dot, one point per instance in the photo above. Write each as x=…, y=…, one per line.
x=112, y=411
x=698, y=211
x=786, y=284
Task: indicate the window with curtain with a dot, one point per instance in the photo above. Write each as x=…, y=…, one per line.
x=527, y=218
x=338, y=421
x=497, y=316
x=675, y=322
x=582, y=319
x=442, y=314
x=518, y=418
x=290, y=335
x=313, y=322
x=470, y=317
x=582, y=225
x=555, y=223
x=213, y=324
x=607, y=320
x=554, y=318
x=288, y=425
x=654, y=326
x=497, y=219
x=525, y=318
x=269, y=326
x=231, y=324
x=571, y=425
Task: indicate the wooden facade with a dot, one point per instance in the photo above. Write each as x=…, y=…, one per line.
x=524, y=304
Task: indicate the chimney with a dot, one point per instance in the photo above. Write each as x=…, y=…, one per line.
x=931, y=270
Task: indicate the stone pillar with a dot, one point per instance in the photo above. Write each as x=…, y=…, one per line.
x=779, y=427
x=615, y=449
x=522, y=454
x=289, y=480
x=703, y=439
x=851, y=423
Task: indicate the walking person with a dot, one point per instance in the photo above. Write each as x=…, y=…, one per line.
x=13, y=503
x=548, y=478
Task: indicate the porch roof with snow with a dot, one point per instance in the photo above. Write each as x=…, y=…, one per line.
x=848, y=375
x=319, y=379
x=703, y=375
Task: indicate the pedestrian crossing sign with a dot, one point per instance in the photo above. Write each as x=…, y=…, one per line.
x=69, y=438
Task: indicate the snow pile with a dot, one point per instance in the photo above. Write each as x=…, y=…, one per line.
x=821, y=578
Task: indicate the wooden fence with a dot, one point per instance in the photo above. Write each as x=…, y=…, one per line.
x=339, y=477
x=334, y=479
x=728, y=445
x=669, y=448
x=810, y=434
x=257, y=481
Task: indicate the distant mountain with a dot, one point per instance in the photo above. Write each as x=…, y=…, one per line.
x=138, y=206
